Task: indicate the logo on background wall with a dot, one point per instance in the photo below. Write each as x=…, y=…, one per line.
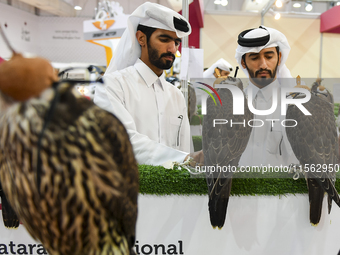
x=103, y=21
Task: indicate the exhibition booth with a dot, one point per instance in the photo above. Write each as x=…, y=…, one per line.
x=265, y=216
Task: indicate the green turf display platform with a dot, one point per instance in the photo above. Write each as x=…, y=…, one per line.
x=157, y=180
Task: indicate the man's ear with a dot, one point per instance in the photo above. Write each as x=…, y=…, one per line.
x=141, y=38
x=280, y=57
x=243, y=63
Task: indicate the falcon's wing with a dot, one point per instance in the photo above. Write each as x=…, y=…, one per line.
x=118, y=196
x=122, y=153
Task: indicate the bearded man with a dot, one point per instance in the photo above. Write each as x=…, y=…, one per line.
x=262, y=53
x=152, y=110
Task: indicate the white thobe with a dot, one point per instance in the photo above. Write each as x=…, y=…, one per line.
x=268, y=145
x=152, y=110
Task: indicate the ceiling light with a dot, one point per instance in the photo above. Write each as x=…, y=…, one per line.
x=78, y=8
x=224, y=2
x=277, y=16
x=258, y=1
x=217, y=2
x=297, y=5
x=337, y=3
x=309, y=6
x=278, y=3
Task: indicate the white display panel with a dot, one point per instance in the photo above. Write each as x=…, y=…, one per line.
x=58, y=39
x=262, y=225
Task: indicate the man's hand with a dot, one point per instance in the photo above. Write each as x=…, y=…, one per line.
x=198, y=158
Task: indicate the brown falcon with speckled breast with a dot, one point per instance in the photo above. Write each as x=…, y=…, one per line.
x=84, y=198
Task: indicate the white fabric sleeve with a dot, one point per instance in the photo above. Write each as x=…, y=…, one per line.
x=146, y=151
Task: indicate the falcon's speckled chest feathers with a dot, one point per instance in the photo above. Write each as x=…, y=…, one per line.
x=87, y=202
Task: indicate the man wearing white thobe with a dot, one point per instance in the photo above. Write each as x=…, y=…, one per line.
x=262, y=53
x=152, y=110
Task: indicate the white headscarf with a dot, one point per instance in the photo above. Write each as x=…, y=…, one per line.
x=148, y=14
x=221, y=64
x=276, y=38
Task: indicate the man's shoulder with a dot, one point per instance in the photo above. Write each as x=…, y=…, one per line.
x=175, y=92
x=121, y=73
x=172, y=88
x=120, y=76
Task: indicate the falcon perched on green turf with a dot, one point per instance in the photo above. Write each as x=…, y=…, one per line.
x=315, y=144
x=223, y=145
x=68, y=170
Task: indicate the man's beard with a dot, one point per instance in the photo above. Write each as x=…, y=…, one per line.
x=263, y=81
x=157, y=60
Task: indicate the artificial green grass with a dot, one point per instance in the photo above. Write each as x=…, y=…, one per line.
x=196, y=120
x=199, y=109
x=197, y=141
x=157, y=180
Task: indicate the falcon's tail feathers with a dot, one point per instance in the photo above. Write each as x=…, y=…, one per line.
x=316, y=194
x=9, y=217
x=218, y=212
x=218, y=202
x=329, y=201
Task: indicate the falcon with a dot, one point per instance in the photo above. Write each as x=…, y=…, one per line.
x=223, y=146
x=67, y=166
x=68, y=170
x=315, y=144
